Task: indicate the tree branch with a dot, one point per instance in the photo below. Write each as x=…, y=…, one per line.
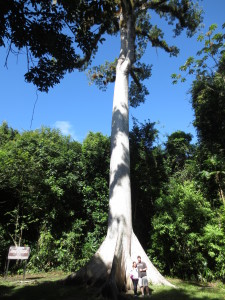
x=133, y=75
x=156, y=42
x=7, y=56
x=149, y=5
x=81, y=62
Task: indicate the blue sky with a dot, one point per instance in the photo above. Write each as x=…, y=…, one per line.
x=76, y=108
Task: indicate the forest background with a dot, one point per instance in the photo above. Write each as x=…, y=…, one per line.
x=54, y=194
x=54, y=191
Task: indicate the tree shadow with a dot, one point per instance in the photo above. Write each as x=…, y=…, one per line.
x=56, y=290
x=44, y=291
x=174, y=294
x=4, y=290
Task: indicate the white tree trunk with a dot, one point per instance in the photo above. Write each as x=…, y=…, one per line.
x=119, y=220
x=110, y=266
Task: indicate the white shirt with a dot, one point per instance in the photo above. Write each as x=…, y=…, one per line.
x=134, y=272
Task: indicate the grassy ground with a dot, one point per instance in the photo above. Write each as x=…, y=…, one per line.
x=45, y=287
x=189, y=291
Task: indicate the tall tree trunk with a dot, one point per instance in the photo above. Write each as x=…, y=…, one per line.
x=110, y=266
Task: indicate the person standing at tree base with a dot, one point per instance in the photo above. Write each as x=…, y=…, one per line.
x=142, y=275
x=134, y=277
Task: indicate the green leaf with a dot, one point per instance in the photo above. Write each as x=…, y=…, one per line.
x=213, y=27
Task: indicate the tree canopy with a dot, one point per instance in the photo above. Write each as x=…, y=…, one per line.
x=60, y=36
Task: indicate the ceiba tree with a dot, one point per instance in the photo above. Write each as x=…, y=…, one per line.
x=60, y=36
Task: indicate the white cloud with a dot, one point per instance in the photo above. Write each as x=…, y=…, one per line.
x=66, y=128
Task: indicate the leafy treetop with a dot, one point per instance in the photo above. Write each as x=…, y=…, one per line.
x=60, y=36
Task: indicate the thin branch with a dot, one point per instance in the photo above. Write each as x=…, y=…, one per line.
x=70, y=28
x=7, y=56
x=31, y=58
x=96, y=29
x=35, y=102
x=14, y=241
x=28, y=61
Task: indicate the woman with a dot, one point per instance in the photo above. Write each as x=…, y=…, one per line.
x=134, y=277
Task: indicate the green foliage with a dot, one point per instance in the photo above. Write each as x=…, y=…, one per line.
x=43, y=257
x=209, y=107
x=95, y=162
x=69, y=247
x=4, y=246
x=188, y=16
x=208, y=102
x=213, y=245
x=52, y=34
x=54, y=198
x=102, y=75
x=147, y=175
x=178, y=150
x=39, y=170
x=209, y=57
x=6, y=133
x=64, y=253
x=91, y=245
x=181, y=215
x=137, y=94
